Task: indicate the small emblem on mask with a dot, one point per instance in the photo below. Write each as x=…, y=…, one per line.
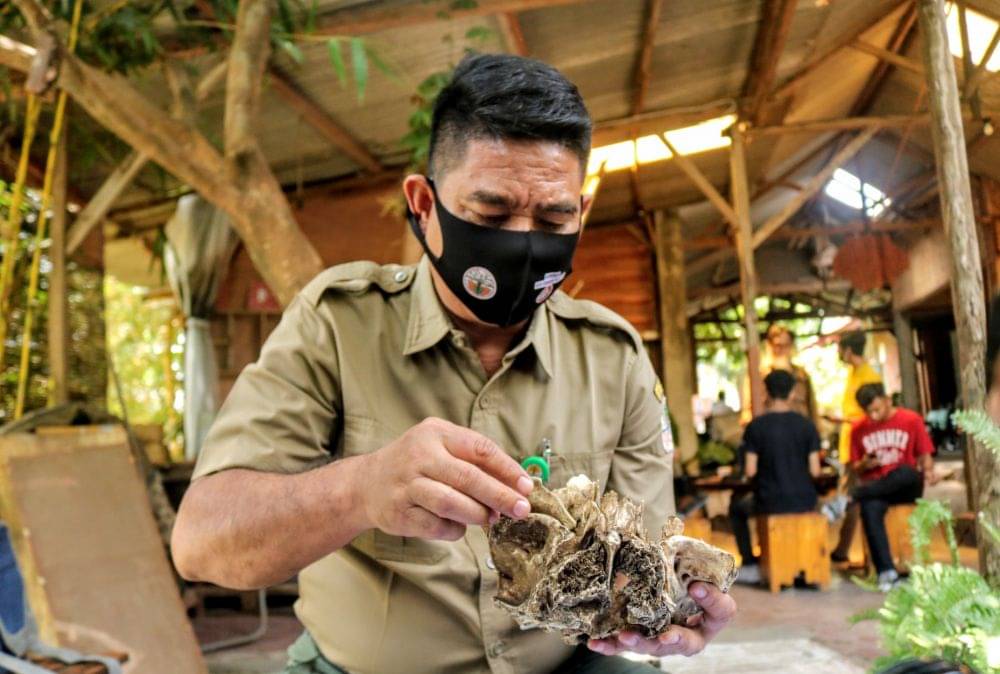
x=479, y=282
x=548, y=285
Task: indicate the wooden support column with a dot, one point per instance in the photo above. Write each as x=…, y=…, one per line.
x=968, y=300
x=58, y=315
x=909, y=387
x=675, y=336
x=743, y=236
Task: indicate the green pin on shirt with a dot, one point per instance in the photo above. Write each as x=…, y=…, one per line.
x=538, y=466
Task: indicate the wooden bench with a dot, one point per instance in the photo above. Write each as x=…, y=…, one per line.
x=793, y=544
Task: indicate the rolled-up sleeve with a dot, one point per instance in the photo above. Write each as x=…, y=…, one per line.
x=282, y=413
x=642, y=468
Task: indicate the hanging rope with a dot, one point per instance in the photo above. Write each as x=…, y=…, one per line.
x=12, y=230
x=43, y=217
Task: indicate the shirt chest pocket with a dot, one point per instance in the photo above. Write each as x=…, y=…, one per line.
x=596, y=465
x=363, y=435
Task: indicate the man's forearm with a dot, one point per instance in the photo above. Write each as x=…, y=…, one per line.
x=246, y=529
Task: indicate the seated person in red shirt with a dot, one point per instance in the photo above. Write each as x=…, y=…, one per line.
x=891, y=453
x=781, y=457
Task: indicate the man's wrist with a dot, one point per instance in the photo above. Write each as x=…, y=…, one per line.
x=349, y=493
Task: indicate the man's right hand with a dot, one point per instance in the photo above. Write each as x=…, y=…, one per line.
x=436, y=479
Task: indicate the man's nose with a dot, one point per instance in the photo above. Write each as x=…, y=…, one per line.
x=520, y=223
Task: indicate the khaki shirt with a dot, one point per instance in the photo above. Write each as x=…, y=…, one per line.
x=363, y=353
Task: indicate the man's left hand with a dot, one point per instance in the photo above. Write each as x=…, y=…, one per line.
x=719, y=609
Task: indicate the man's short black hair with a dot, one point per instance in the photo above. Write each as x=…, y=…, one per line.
x=779, y=384
x=868, y=393
x=855, y=342
x=500, y=96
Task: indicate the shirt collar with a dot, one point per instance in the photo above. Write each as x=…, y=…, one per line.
x=428, y=322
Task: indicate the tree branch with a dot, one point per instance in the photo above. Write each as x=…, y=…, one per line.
x=247, y=62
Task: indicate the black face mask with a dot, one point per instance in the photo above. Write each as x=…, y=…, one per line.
x=500, y=275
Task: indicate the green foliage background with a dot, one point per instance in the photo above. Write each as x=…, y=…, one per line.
x=87, y=365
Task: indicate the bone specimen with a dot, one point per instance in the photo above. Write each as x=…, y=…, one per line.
x=582, y=565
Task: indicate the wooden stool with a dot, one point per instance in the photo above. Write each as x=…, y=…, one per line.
x=897, y=529
x=698, y=527
x=791, y=544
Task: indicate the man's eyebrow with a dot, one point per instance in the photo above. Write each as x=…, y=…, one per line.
x=561, y=207
x=494, y=199
x=491, y=199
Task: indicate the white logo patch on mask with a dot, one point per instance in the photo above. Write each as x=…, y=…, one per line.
x=479, y=282
x=548, y=285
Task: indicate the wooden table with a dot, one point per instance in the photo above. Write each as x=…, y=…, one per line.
x=737, y=483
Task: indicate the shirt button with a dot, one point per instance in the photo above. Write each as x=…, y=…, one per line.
x=489, y=563
x=497, y=649
x=400, y=276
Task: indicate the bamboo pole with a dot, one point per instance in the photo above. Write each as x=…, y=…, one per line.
x=748, y=273
x=968, y=299
x=58, y=316
x=675, y=337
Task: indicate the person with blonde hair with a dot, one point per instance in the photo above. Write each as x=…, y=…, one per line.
x=779, y=354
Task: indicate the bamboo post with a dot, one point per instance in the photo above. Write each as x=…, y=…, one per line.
x=968, y=300
x=743, y=236
x=907, y=361
x=675, y=337
x=58, y=327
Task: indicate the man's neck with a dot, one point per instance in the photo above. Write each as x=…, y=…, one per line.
x=780, y=406
x=491, y=342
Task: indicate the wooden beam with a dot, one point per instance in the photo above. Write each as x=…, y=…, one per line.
x=739, y=183
x=322, y=122
x=814, y=185
x=968, y=297
x=57, y=319
x=847, y=229
x=513, y=34
x=907, y=361
x=643, y=64
x=374, y=17
x=703, y=184
x=841, y=124
x=107, y=194
x=845, y=39
x=974, y=80
x=675, y=337
x=897, y=42
x=888, y=56
x=733, y=290
x=772, y=32
x=655, y=122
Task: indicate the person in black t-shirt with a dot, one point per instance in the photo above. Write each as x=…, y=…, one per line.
x=781, y=449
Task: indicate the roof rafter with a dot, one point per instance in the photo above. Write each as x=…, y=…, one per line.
x=643, y=65
x=321, y=121
x=513, y=34
x=772, y=32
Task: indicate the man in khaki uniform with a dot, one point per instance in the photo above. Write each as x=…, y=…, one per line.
x=383, y=425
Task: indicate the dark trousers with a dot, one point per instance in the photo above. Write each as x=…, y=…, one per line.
x=740, y=512
x=903, y=485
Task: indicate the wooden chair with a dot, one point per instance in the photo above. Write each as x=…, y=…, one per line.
x=791, y=544
x=897, y=529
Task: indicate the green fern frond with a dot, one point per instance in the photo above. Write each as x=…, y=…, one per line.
x=979, y=425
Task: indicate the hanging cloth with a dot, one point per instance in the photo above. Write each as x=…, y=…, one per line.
x=200, y=243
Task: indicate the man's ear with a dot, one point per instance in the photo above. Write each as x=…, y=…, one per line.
x=419, y=197
x=586, y=201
